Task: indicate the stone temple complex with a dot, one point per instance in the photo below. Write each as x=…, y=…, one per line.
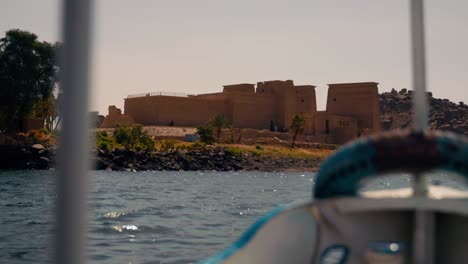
x=352, y=109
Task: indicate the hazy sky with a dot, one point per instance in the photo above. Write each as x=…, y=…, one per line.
x=197, y=46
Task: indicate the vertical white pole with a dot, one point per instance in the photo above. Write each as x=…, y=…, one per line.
x=73, y=152
x=423, y=243
x=420, y=104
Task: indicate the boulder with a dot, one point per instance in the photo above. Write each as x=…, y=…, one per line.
x=100, y=164
x=37, y=147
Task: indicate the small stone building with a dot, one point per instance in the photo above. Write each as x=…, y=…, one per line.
x=352, y=108
x=116, y=117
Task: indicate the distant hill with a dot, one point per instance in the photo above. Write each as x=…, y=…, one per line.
x=396, y=111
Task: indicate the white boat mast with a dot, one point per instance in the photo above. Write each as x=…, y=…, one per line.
x=73, y=153
x=420, y=103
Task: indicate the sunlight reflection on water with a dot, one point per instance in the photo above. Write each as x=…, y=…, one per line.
x=138, y=217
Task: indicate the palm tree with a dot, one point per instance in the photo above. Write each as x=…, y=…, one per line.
x=297, y=125
x=219, y=122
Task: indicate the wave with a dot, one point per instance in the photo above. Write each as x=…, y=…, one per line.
x=133, y=229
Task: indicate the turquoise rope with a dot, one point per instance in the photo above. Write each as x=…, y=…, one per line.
x=330, y=182
x=341, y=174
x=458, y=158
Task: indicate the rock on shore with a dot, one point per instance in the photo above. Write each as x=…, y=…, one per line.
x=33, y=157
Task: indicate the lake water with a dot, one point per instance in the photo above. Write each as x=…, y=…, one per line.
x=151, y=217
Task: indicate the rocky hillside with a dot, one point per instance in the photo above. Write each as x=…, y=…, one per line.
x=395, y=108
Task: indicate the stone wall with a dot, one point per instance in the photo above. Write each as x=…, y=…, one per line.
x=352, y=109
x=358, y=100
x=285, y=100
x=338, y=129
x=243, y=88
x=171, y=110
x=305, y=99
x=272, y=104
x=252, y=111
x=115, y=117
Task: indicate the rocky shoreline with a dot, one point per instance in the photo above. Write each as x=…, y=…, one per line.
x=208, y=158
x=34, y=157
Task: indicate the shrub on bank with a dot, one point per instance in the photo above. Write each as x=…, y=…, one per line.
x=104, y=141
x=235, y=150
x=196, y=145
x=133, y=137
x=167, y=145
x=206, y=134
x=37, y=136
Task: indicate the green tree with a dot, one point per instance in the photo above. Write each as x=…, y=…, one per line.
x=297, y=126
x=28, y=72
x=133, y=137
x=48, y=110
x=219, y=122
x=104, y=141
x=205, y=133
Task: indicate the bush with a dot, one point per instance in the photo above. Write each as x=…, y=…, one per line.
x=259, y=147
x=196, y=145
x=167, y=144
x=104, y=141
x=235, y=151
x=133, y=137
x=40, y=136
x=206, y=134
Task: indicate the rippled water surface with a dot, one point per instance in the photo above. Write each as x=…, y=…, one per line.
x=149, y=217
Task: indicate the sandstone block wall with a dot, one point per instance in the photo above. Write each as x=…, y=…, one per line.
x=244, y=88
x=170, y=110
x=211, y=96
x=272, y=103
x=352, y=109
x=115, y=117
x=285, y=102
x=358, y=100
x=252, y=111
x=305, y=99
x=342, y=128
